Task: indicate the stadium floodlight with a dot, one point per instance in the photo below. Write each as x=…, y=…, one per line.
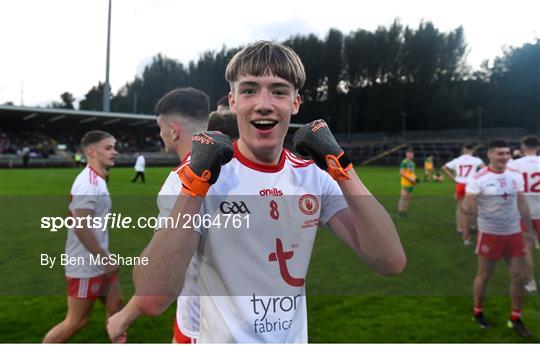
x=106, y=87
x=343, y=88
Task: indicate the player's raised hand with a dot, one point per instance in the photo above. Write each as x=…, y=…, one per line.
x=316, y=141
x=209, y=151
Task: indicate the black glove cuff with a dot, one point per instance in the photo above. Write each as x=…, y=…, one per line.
x=344, y=160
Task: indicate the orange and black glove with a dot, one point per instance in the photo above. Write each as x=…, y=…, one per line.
x=209, y=151
x=315, y=141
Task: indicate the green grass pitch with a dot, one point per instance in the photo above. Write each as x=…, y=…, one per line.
x=430, y=302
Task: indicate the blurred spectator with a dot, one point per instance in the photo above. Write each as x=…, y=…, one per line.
x=78, y=159
x=25, y=156
x=224, y=122
x=139, y=168
x=222, y=104
x=42, y=145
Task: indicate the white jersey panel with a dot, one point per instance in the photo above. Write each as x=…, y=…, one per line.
x=529, y=167
x=187, y=304
x=252, y=278
x=89, y=191
x=465, y=167
x=498, y=211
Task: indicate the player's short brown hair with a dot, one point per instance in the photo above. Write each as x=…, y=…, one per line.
x=93, y=137
x=225, y=123
x=530, y=142
x=497, y=143
x=264, y=58
x=187, y=102
x=469, y=147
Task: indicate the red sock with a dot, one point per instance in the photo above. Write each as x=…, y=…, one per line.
x=516, y=314
x=478, y=310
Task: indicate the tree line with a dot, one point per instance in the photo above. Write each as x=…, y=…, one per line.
x=368, y=81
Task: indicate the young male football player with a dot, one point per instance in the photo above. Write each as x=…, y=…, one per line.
x=529, y=167
x=252, y=274
x=497, y=194
x=428, y=169
x=87, y=281
x=180, y=113
x=408, y=181
x=464, y=167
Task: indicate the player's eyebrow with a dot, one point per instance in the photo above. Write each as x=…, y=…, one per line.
x=255, y=84
x=279, y=84
x=248, y=84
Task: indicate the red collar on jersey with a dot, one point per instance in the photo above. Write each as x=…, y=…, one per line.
x=183, y=160
x=95, y=171
x=267, y=168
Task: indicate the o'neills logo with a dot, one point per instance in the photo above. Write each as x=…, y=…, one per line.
x=318, y=126
x=203, y=138
x=271, y=192
x=308, y=204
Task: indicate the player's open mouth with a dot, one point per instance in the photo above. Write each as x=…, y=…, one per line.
x=264, y=125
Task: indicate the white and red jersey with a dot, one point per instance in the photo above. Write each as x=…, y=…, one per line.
x=498, y=211
x=529, y=167
x=89, y=191
x=252, y=273
x=187, y=304
x=465, y=166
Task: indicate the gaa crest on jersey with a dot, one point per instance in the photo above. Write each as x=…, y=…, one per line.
x=309, y=204
x=233, y=207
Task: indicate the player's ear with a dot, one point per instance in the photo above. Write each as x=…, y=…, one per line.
x=90, y=150
x=232, y=102
x=296, y=103
x=175, y=130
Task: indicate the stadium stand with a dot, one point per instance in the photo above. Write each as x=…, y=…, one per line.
x=52, y=136
x=442, y=145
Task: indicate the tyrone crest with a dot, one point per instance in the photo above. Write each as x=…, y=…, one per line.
x=308, y=204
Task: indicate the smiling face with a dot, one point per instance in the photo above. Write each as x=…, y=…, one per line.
x=264, y=106
x=498, y=157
